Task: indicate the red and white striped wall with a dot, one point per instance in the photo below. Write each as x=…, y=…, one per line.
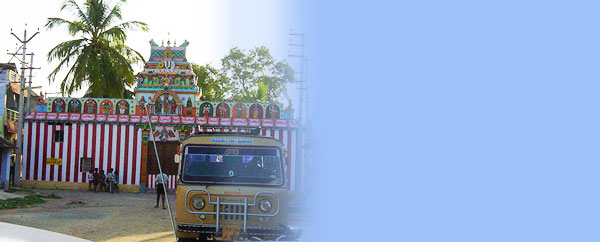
x=116, y=146
x=152, y=181
x=288, y=138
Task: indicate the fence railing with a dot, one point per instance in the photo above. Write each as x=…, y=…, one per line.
x=12, y=115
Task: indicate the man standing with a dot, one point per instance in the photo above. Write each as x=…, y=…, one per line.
x=110, y=176
x=96, y=179
x=90, y=178
x=102, y=181
x=115, y=181
x=161, y=184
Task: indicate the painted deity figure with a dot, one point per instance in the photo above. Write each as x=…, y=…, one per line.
x=90, y=106
x=206, y=109
x=172, y=105
x=143, y=102
x=273, y=110
x=222, y=110
x=106, y=108
x=159, y=105
x=255, y=112
x=238, y=111
x=59, y=106
x=74, y=106
x=122, y=106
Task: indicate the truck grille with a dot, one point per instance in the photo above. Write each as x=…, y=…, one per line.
x=231, y=209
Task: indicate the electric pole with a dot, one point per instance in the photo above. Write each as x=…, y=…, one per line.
x=18, y=160
x=299, y=166
x=29, y=88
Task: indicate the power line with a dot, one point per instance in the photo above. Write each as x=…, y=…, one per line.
x=24, y=41
x=300, y=149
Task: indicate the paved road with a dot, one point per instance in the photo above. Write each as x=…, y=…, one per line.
x=102, y=216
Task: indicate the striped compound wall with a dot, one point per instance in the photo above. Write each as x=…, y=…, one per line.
x=117, y=146
x=110, y=145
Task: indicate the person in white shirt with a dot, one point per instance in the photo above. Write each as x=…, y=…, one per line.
x=161, y=182
x=90, y=178
x=115, y=181
x=110, y=177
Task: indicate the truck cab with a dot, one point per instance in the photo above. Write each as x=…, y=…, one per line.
x=231, y=187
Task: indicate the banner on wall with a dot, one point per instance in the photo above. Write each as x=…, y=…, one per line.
x=165, y=133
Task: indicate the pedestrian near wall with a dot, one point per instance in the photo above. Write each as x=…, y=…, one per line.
x=90, y=178
x=96, y=177
x=110, y=176
x=161, y=183
x=102, y=181
x=113, y=181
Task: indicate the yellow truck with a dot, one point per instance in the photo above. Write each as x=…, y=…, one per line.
x=232, y=187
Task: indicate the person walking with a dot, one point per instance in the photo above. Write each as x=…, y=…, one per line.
x=162, y=181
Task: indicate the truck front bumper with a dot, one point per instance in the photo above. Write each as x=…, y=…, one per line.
x=257, y=232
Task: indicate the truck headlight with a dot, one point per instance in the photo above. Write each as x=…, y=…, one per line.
x=198, y=203
x=265, y=205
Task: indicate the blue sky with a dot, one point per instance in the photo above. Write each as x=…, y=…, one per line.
x=458, y=120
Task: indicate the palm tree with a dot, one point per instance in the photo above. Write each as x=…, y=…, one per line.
x=98, y=57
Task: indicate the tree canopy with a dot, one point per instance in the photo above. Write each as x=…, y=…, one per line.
x=245, y=76
x=98, y=57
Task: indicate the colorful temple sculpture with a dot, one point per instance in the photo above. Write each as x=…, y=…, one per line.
x=68, y=136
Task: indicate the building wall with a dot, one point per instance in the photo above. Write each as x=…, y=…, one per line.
x=109, y=145
x=117, y=146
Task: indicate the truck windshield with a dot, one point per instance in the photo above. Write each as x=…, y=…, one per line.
x=232, y=165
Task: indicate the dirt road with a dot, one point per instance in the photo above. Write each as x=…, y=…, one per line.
x=97, y=216
x=103, y=216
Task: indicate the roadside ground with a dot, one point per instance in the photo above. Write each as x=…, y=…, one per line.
x=97, y=216
x=102, y=216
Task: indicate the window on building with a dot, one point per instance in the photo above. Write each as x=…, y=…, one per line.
x=85, y=164
x=58, y=136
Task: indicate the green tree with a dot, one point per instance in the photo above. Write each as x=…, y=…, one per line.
x=97, y=57
x=214, y=85
x=256, y=76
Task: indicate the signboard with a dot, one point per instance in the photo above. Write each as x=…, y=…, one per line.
x=51, y=116
x=280, y=123
x=254, y=122
x=240, y=122
x=123, y=118
x=74, y=116
x=63, y=116
x=226, y=121
x=135, y=119
x=54, y=161
x=112, y=118
x=267, y=122
x=101, y=117
x=88, y=117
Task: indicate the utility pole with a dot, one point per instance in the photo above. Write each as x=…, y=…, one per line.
x=29, y=88
x=18, y=160
x=299, y=167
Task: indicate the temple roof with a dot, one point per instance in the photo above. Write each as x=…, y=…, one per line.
x=175, y=53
